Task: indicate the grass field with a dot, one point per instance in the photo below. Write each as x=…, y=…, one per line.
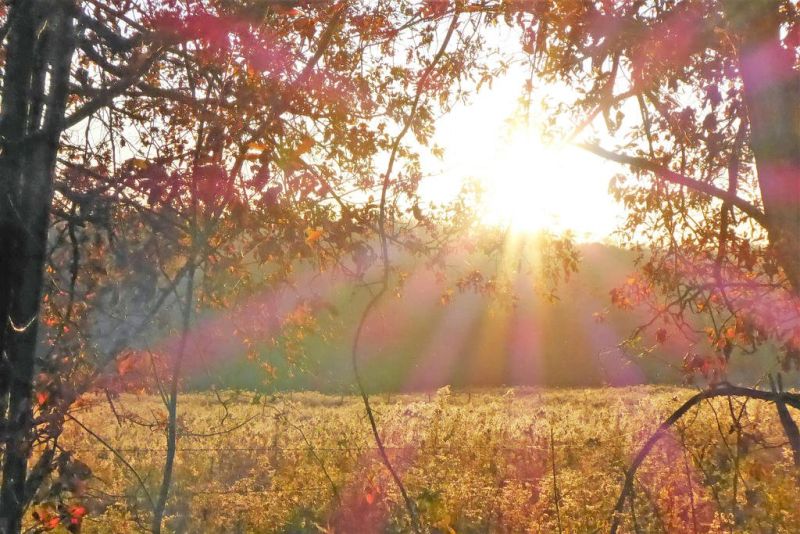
x=521, y=460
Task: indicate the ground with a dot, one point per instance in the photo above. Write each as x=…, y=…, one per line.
x=519, y=460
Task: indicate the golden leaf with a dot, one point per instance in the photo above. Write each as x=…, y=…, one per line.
x=312, y=235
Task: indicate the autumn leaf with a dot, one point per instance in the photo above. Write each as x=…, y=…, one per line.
x=139, y=163
x=270, y=370
x=41, y=397
x=287, y=11
x=306, y=144
x=661, y=335
x=125, y=365
x=77, y=511
x=312, y=235
x=256, y=147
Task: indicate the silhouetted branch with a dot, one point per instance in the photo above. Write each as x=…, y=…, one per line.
x=679, y=179
x=386, y=270
x=117, y=454
x=723, y=390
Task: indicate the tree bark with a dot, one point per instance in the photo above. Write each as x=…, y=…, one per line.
x=772, y=97
x=41, y=40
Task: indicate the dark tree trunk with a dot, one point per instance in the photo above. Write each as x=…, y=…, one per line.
x=38, y=56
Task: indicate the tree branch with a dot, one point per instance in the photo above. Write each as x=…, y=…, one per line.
x=673, y=177
x=106, y=97
x=723, y=390
x=117, y=454
x=386, y=267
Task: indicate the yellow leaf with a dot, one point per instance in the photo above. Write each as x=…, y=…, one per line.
x=139, y=163
x=312, y=235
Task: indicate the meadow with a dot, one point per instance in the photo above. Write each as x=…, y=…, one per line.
x=519, y=460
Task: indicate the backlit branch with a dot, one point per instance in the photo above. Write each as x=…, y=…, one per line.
x=668, y=175
x=723, y=390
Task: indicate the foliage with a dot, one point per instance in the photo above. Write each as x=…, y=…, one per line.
x=697, y=98
x=207, y=143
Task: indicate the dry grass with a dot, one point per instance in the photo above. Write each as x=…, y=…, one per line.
x=473, y=462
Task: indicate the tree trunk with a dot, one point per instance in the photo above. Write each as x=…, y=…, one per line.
x=172, y=404
x=40, y=41
x=12, y=126
x=772, y=96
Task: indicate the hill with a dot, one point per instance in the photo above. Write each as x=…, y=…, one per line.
x=415, y=342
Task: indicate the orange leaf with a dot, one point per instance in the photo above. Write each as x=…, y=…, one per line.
x=256, y=147
x=139, y=164
x=77, y=511
x=305, y=145
x=312, y=235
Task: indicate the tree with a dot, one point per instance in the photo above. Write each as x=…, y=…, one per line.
x=702, y=100
x=39, y=40
x=708, y=127
x=192, y=132
x=175, y=137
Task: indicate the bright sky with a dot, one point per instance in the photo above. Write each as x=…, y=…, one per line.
x=528, y=185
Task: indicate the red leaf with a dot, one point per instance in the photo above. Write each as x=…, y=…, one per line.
x=661, y=335
x=77, y=511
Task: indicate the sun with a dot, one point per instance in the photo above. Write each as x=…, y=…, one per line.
x=530, y=186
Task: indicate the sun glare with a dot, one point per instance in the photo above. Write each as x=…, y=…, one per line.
x=528, y=186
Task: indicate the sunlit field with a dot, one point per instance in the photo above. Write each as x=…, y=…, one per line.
x=520, y=460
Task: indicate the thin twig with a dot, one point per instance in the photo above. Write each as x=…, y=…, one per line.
x=556, y=497
x=117, y=454
x=384, y=286
x=722, y=390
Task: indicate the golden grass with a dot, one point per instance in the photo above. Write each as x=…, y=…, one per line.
x=473, y=462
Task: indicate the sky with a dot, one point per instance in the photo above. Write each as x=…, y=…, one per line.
x=527, y=184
